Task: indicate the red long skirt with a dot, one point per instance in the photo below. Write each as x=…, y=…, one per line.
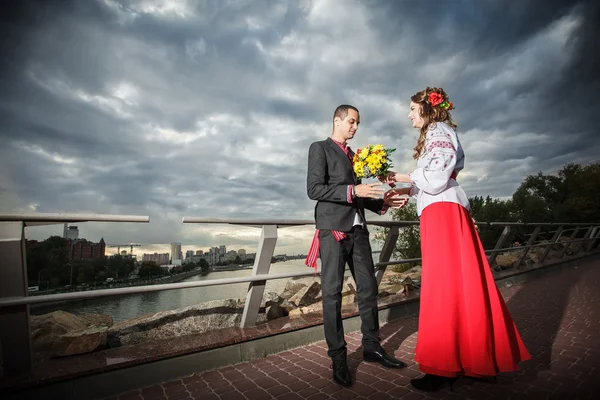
x=465, y=327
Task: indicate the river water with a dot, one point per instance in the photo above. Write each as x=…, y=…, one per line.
x=125, y=307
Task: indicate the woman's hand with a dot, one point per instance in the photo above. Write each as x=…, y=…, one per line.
x=392, y=177
x=388, y=178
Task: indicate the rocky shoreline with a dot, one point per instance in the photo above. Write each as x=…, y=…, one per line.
x=59, y=333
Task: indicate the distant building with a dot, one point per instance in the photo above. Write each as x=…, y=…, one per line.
x=158, y=258
x=199, y=252
x=176, y=254
x=213, y=256
x=231, y=255
x=242, y=252
x=189, y=253
x=72, y=233
x=81, y=249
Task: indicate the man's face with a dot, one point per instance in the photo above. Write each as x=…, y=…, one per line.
x=349, y=125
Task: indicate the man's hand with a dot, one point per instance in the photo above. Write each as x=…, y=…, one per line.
x=394, y=198
x=368, y=190
x=403, y=191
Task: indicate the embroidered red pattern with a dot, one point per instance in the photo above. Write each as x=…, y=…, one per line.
x=440, y=145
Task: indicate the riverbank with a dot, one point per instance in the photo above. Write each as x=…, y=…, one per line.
x=124, y=307
x=37, y=309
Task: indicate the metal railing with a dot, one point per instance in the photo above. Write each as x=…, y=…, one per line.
x=14, y=300
x=15, y=335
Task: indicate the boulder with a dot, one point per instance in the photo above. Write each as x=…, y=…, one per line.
x=297, y=312
x=270, y=298
x=184, y=321
x=61, y=333
x=293, y=286
x=97, y=320
x=508, y=259
x=306, y=295
x=47, y=328
x=414, y=273
x=80, y=342
x=409, y=285
x=388, y=290
x=278, y=310
x=391, y=277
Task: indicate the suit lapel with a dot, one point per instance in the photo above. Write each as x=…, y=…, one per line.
x=341, y=153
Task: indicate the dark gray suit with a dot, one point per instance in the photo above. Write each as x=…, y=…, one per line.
x=329, y=174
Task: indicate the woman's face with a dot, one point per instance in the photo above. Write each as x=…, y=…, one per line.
x=415, y=115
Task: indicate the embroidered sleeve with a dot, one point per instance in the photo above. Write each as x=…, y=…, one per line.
x=440, y=158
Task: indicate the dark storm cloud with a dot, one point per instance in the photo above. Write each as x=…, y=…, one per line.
x=208, y=108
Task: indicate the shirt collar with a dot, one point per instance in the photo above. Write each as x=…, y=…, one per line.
x=339, y=143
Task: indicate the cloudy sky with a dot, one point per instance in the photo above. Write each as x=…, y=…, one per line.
x=207, y=108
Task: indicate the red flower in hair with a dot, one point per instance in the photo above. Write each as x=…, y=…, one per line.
x=435, y=98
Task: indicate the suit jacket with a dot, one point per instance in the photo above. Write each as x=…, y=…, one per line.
x=329, y=174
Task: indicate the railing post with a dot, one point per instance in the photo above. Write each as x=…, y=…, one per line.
x=531, y=240
x=553, y=241
x=499, y=245
x=15, y=337
x=595, y=236
x=386, y=251
x=581, y=245
x=573, y=235
x=262, y=265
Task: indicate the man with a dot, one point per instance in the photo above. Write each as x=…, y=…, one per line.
x=343, y=238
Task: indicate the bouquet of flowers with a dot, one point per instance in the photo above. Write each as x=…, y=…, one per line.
x=372, y=161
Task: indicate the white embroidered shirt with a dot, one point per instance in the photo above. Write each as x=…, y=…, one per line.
x=434, y=180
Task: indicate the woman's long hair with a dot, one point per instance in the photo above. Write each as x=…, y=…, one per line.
x=430, y=114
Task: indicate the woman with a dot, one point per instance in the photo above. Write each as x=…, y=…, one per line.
x=464, y=325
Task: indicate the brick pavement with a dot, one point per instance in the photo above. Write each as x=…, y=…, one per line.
x=558, y=316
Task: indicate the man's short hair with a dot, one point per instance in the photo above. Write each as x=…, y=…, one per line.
x=342, y=111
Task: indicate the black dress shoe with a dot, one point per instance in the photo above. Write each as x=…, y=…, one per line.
x=432, y=383
x=382, y=358
x=341, y=373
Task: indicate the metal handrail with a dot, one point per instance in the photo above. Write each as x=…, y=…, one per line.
x=92, y=294
x=71, y=217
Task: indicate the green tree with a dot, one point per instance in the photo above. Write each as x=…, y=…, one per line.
x=568, y=196
x=203, y=264
x=119, y=267
x=491, y=210
x=48, y=262
x=149, y=269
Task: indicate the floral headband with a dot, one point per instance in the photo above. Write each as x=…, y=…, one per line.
x=436, y=99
